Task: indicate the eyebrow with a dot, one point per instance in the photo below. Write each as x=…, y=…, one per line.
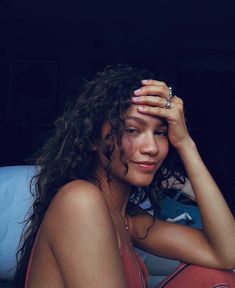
x=143, y=122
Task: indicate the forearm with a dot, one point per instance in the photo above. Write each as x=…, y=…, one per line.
x=218, y=221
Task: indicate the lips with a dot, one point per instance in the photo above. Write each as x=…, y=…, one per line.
x=145, y=162
x=146, y=165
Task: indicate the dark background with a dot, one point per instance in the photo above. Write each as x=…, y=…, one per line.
x=46, y=45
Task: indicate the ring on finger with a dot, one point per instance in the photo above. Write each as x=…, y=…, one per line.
x=168, y=104
x=171, y=95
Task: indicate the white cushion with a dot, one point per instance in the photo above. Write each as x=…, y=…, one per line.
x=15, y=201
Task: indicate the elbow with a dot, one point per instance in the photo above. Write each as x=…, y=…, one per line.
x=228, y=264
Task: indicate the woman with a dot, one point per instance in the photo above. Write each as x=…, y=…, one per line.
x=110, y=145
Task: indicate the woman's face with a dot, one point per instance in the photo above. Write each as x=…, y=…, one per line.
x=145, y=146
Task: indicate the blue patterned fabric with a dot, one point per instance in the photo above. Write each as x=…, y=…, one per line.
x=174, y=211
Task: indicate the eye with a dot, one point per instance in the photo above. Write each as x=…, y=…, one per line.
x=132, y=130
x=162, y=133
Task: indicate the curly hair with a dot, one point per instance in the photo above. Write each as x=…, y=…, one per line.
x=68, y=154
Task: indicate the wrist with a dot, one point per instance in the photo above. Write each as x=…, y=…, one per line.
x=186, y=144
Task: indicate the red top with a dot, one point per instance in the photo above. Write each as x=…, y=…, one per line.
x=135, y=277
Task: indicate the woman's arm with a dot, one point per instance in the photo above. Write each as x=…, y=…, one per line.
x=82, y=238
x=174, y=241
x=213, y=246
x=217, y=240
x=218, y=221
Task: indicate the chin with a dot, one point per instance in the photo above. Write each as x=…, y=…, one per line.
x=141, y=181
x=141, y=184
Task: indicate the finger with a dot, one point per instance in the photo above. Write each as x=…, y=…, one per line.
x=162, y=84
x=153, y=82
x=177, y=100
x=150, y=100
x=161, y=91
x=154, y=111
x=157, y=101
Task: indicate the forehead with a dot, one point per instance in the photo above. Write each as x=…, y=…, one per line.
x=133, y=114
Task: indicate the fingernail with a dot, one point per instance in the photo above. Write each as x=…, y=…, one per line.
x=140, y=108
x=137, y=91
x=144, y=81
x=135, y=99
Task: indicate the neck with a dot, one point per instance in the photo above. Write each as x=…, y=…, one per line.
x=116, y=193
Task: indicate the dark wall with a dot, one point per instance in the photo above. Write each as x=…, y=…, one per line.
x=46, y=45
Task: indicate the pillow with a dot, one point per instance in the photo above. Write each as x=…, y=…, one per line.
x=174, y=211
x=15, y=201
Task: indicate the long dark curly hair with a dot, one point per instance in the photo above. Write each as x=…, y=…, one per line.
x=68, y=153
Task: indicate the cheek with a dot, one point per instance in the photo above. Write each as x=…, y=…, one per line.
x=128, y=146
x=164, y=147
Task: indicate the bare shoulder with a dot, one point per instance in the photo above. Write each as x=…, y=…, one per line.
x=77, y=203
x=79, y=188
x=78, y=194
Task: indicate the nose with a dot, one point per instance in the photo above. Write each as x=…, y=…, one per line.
x=150, y=145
